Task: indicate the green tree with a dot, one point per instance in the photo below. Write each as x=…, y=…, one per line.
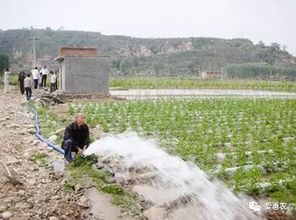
x=4, y=62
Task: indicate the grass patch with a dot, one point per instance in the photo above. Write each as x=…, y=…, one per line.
x=41, y=159
x=82, y=167
x=69, y=185
x=50, y=123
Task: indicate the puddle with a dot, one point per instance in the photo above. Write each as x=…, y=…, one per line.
x=157, y=196
x=58, y=166
x=102, y=206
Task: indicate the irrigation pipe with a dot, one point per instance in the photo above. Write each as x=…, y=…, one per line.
x=39, y=135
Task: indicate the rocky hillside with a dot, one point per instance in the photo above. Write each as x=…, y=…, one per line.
x=138, y=56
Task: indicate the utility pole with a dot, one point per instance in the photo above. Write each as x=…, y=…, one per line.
x=33, y=39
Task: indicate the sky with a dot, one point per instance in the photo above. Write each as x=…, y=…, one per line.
x=258, y=20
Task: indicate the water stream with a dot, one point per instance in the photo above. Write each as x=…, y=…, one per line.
x=180, y=188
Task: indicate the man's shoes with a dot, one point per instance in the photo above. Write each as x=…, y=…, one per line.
x=68, y=161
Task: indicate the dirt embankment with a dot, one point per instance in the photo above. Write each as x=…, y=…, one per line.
x=28, y=190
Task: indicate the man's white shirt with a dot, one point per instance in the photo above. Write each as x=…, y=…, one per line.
x=53, y=78
x=44, y=71
x=35, y=74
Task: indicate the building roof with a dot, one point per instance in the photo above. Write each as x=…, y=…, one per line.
x=77, y=52
x=58, y=59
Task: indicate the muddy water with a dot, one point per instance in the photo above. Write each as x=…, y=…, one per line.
x=102, y=207
x=177, y=190
x=198, y=93
x=58, y=165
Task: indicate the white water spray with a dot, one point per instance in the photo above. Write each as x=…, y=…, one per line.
x=209, y=200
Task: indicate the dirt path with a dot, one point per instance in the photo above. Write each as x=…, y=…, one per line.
x=31, y=191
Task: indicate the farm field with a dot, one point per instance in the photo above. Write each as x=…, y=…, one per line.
x=249, y=144
x=195, y=83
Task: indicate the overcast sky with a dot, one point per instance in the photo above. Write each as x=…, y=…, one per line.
x=265, y=20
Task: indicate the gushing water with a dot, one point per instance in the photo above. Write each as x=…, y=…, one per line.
x=208, y=200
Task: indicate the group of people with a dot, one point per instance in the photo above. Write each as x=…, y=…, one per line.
x=38, y=80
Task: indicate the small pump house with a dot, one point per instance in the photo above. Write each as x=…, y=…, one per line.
x=83, y=70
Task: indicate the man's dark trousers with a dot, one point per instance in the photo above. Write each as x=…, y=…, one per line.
x=28, y=92
x=35, y=83
x=22, y=87
x=43, y=81
x=52, y=87
x=69, y=147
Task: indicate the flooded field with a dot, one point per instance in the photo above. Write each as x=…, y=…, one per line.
x=198, y=93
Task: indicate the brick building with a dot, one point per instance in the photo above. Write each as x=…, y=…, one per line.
x=211, y=75
x=83, y=70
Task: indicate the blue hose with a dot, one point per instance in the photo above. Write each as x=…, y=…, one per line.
x=40, y=137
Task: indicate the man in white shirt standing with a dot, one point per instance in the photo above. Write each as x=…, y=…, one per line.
x=39, y=78
x=53, y=81
x=6, y=80
x=35, y=75
x=44, y=72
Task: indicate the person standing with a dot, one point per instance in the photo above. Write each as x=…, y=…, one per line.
x=44, y=72
x=56, y=84
x=21, y=78
x=35, y=76
x=28, y=84
x=39, y=79
x=53, y=81
x=6, y=80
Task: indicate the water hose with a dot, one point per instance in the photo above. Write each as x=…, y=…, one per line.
x=39, y=135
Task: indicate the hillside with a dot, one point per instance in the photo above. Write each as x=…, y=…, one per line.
x=138, y=56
